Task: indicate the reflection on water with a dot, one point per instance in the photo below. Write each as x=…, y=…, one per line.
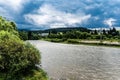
x=79, y=62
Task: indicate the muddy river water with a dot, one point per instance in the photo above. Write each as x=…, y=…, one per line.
x=79, y=62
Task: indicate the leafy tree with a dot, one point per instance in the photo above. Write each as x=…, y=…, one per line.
x=35, y=36
x=113, y=32
x=104, y=32
x=95, y=32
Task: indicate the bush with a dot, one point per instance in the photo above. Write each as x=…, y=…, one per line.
x=57, y=40
x=36, y=75
x=35, y=36
x=73, y=41
x=16, y=56
x=18, y=60
x=8, y=26
x=23, y=35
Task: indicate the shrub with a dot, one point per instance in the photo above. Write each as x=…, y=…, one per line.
x=15, y=55
x=23, y=35
x=8, y=26
x=56, y=40
x=18, y=60
x=73, y=41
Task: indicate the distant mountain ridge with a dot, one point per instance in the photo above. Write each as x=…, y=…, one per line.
x=59, y=29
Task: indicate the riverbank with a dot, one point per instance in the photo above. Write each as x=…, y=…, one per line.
x=106, y=43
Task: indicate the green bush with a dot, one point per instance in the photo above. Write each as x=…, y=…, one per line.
x=73, y=41
x=15, y=55
x=23, y=35
x=57, y=40
x=18, y=60
x=36, y=75
x=35, y=36
x=8, y=26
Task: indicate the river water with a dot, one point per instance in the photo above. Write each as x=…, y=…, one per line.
x=79, y=62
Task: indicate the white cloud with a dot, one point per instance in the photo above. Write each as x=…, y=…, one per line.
x=13, y=4
x=50, y=16
x=110, y=22
x=96, y=18
x=12, y=8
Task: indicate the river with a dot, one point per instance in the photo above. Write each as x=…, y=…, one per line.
x=79, y=62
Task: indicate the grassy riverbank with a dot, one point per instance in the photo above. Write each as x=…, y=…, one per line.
x=109, y=43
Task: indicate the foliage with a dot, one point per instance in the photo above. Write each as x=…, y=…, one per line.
x=71, y=35
x=8, y=26
x=94, y=35
x=29, y=35
x=73, y=41
x=23, y=35
x=37, y=74
x=57, y=40
x=15, y=55
x=17, y=59
x=35, y=36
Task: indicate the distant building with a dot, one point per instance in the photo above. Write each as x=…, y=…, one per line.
x=44, y=34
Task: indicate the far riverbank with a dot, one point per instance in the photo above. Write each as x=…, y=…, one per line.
x=87, y=42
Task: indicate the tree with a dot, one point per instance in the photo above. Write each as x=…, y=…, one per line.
x=113, y=32
x=104, y=32
x=95, y=32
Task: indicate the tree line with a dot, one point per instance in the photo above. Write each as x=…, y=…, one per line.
x=109, y=34
x=93, y=34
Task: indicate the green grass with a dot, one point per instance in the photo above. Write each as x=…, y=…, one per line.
x=78, y=41
x=55, y=40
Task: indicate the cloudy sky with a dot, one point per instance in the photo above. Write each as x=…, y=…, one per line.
x=44, y=14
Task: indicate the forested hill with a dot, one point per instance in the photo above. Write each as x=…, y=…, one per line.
x=55, y=30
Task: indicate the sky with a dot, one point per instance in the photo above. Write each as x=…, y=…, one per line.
x=46, y=14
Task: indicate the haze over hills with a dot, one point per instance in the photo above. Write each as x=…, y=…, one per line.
x=47, y=14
